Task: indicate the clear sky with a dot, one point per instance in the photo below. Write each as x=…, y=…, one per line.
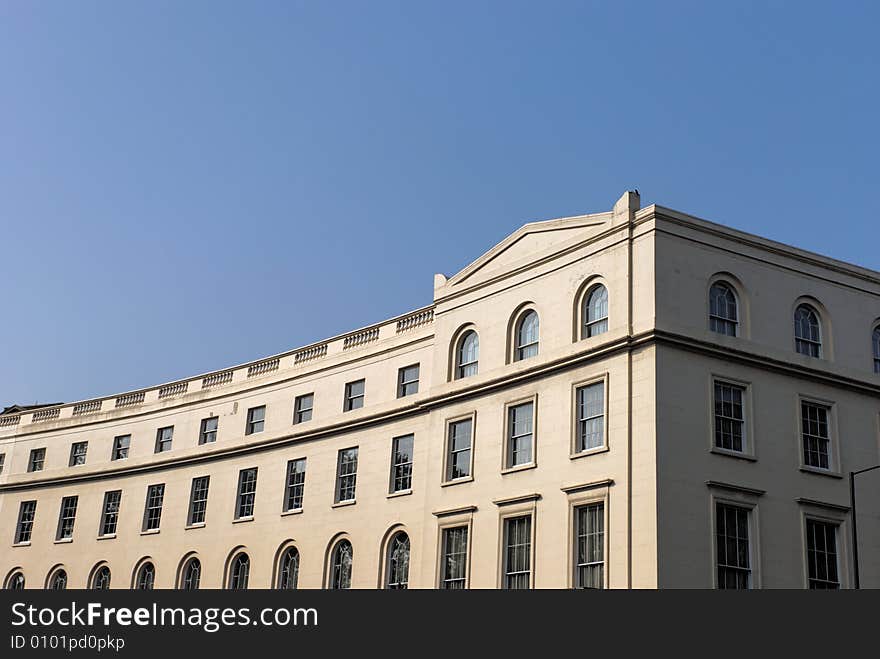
x=186, y=186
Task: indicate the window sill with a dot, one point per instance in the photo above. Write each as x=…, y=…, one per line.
x=524, y=467
x=295, y=511
x=109, y=536
x=589, y=452
x=399, y=493
x=188, y=527
x=457, y=481
x=733, y=454
x=242, y=520
x=342, y=504
x=22, y=544
x=63, y=541
x=821, y=472
x=150, y=532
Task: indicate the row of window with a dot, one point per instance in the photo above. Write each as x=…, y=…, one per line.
x=517, y=560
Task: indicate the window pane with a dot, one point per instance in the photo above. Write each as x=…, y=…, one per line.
x=590, y=546
x=591, y=416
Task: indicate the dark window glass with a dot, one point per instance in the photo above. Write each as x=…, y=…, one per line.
x=354, y=395
x=814, y=431
x=346, y=474
x=153, y=507
x=198, y=500
x=732, y=547
x=163, y=439
x=340, y=573
x=590, y=416
x=468, y=355
x=526, y=337
x=295, y=485
x=518, y=553
x=256, y=418
x=822, y=555
x=302, y=408
x=240, y=573
x=247, y=492
x=453, y=563
x=146, y=577
x=595, y=312
x=110, y=512
x=807, y=331
x=78, y=452
x=398, y=562
x=729, y=416
x=58, y=581
x=66, y=518
x=288, y=569
x=101, y=580
x=401, y=463
x=27, y=511
x=208, y=430
x=408, y=381
x=120, y=447
x=590, y=546
x=723, y=317
x=192, y=575
x=519, y=434
x=37, y=459
x=458, y=459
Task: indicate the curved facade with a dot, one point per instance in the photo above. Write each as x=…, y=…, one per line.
x=617, y=447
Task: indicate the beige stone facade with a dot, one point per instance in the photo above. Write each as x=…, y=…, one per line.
x=597, y=461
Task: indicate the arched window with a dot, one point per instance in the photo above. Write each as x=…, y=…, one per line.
x=526, y=336
x=340, y=566
x=398, y=562
x=15, y=581
x=807, y=331
x=146, y=577
x=595, y=312
x=58, y=581
x=876, y=341
x=468, y=355
x=240, y=571
x=101, y=578
x=288, y=569
x=723, y=316
x=192, y=574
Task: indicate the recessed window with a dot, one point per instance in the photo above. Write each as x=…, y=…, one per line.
x=78, y=452
x=302, y=408
x=354, y=395
x=163, y=439
x=526, y=336
x=240, y=571
x=146, y=577
x=732, y=548
x=590, y=403
x=458, y=457
x=2, y=461
x=723, y=313
x=346, y=474
x=520, y=437
x=58, y=580
x=822, y=561
x=295, y=484
x=66, y=518
x=256, y=419
x=101, y=579
x=453, y=560
x=398, y=562
x=37, y=459
x=110, y=512
x=467, y=356
x=875, y=343
x=247, y=492
x=589, y=521
x=730, y=417
x=815, y=435
x=340, y=565
x=15, y=582
x=807, y=331
x=517, y=553
x=208, y=430
x=192, y=575
x=198, y=500
x=288, y=569
x=27, y=511
x=120, y=447
x=595, y=316
x=153, y=507
x=401, y=463
x=408, y=381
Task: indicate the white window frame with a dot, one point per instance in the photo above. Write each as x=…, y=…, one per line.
x=605, y=379
x=447, y=446
x=506, y=465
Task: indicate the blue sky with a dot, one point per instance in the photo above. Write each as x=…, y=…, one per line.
x=186, y=186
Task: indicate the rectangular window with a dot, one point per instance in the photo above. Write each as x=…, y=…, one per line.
x=518, y=553
x=26, y=513
x=66, y=518
x=815, y=434
x=37, y=459
x=256, y=419
x=302, y=408
x=153, y=507
x=453, y=563
x=110, y=512
x=822, y=555
x=458, y=458
x=208, y=430
x=163, y=439
x=295, y=485
x=346, y=474
x=401, y=463
x=354, y=395
x=729, y=417
x=590, y=546
x=198, y=500
x=2, y=461
x=519, y=434
x=120, y=447
x=590, y=417
x=247, y=492
x=408, y=381
x=78, y=452
x=732, y=547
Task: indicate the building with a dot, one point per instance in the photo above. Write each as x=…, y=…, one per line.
x=635, y=398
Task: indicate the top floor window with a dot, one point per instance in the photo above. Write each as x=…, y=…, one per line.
x=468, y=355
x=37, y=459
x=256, y=419
x=208, y=430
x=408, y=381
x=595, y=312
x=807, y=331
x=78, y=452
x=163, y=439
x=2, y=461
x=876, y=342
x=354, y=395
x=723, y=316
x=526, y=336
x=302, y=408
x=121, y=445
